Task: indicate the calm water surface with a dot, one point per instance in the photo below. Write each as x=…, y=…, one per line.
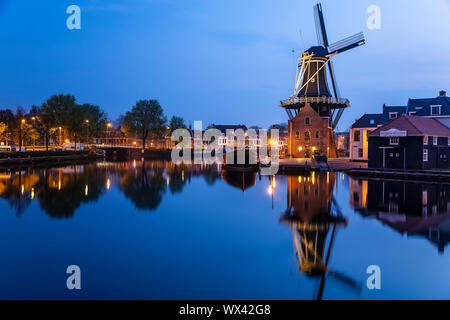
x=153, y=230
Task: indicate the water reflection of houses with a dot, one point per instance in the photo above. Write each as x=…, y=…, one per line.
x=413, y=209
x=60, y=191
x=314, y=216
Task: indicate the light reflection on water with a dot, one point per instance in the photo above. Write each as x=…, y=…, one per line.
x=155, y=230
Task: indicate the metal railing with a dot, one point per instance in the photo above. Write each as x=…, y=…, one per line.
x=329, y=100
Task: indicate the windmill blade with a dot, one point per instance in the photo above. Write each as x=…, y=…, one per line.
x=322, y=37
x=348, y=43
x=344, y=279
x=336, y=92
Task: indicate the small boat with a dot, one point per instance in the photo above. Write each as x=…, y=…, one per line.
x=242, y=167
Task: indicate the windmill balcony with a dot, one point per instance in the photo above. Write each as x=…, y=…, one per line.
x=295, y=101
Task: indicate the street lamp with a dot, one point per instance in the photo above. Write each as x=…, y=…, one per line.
x=87, y=129
x=60, y=136
x=34, y=137
x=20, y=134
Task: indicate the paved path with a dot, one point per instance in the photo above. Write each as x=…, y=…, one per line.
x=333, y=164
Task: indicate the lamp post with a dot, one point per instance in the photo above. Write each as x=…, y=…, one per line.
x=87, y=129
x=20, y=134
x=34, y=137
x=60, y=136
x=108, y=133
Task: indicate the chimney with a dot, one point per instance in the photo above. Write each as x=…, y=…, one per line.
x=442, y=93
x=384, y=107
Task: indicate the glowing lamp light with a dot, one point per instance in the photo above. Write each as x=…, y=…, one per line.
x=300, y=148
x=314, y=148
x=270, y=190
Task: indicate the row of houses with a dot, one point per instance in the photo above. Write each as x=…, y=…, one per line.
x=117, y=138
x=415, y=136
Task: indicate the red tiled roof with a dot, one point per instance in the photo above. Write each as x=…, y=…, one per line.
x=415, y=126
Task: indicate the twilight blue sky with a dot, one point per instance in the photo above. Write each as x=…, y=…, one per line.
x=221, y=61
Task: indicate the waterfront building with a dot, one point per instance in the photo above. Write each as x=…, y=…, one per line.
x=410, y=142
x=437, y=108
x=358, y=135
x=310, y=133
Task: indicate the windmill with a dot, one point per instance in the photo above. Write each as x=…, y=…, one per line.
x=311, y=85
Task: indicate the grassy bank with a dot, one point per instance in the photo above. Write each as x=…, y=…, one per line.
x=35, y=154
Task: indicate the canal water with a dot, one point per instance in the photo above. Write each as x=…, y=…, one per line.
x=153, y=230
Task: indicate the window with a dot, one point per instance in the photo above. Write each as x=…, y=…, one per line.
x=297, y=135
x=425, y=155
x=317, y=134
x=435, y=141
x=307, y=120
x=435, y=110
x=448, y=141
x=372, y=121
x=357, y=135
x=393, y=115
x=424, y=197
x=394, y=140
x=307, y=136
x=425, y=140
x=411, y=113
x=360, y=153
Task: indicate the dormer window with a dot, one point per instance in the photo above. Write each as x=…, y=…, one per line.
x=435, y=110
x=372, y=121
x=393, y=115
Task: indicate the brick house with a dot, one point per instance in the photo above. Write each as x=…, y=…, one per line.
x=310, y=134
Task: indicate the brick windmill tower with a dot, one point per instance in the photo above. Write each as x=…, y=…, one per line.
x=313, y=110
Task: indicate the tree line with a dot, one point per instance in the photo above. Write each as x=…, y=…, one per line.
x=61, y=116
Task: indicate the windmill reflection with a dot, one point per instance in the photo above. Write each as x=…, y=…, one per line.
x=412, y=209
x=314, y=217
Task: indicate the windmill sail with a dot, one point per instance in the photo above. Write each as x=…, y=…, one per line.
x=347, y=43
x=322, y=37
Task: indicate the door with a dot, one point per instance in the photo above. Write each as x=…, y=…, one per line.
x=394, y=158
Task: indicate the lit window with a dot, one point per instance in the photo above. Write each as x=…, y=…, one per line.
x=425, y=140
x=357, y=135
x=372, y=121
x=394, y=140
x=307, y=136
x=425, y=155
x=297, y=135
x=435, y=141
x=435, y=110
